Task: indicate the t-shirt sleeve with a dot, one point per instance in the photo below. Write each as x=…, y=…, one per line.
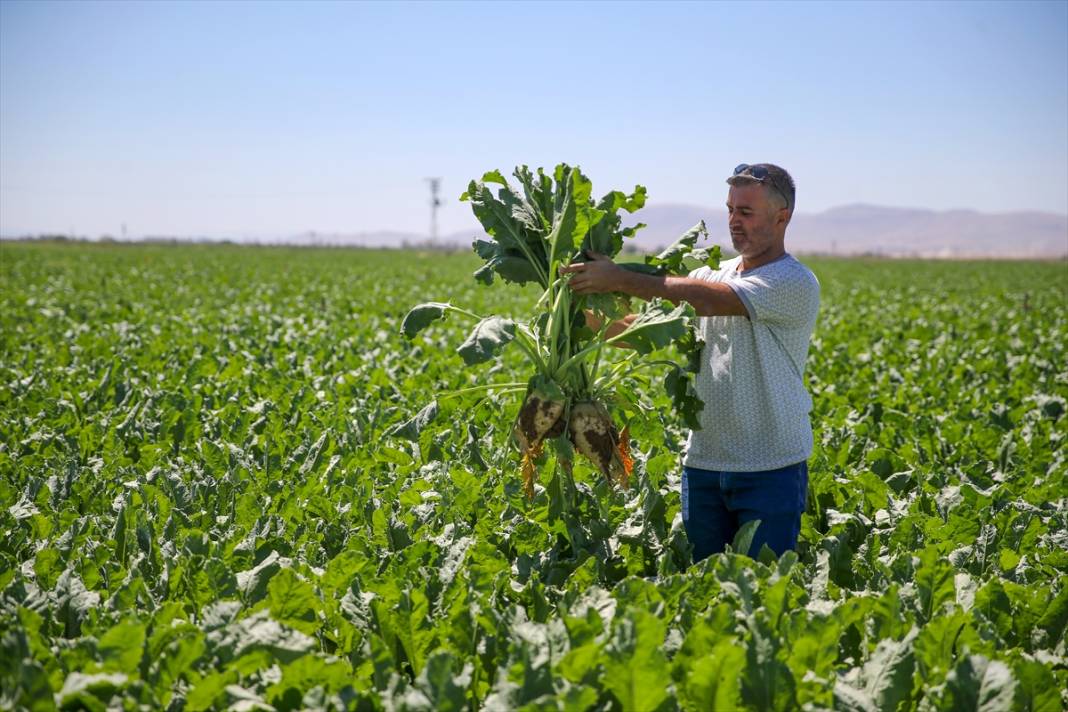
x=781, y=297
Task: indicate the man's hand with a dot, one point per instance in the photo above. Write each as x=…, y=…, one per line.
x=597, y=276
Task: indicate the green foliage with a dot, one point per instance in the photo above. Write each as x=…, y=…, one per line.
x=548, y=224
x=215, y=495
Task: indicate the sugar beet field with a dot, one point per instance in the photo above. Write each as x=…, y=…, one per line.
x=223, y=488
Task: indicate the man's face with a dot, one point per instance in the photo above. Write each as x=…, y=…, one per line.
x=753, y=218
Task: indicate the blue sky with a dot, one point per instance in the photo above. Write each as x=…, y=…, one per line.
x=231, y=119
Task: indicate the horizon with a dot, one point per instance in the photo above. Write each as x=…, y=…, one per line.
x=628, y=251
x=291, y=118
x=251, y=237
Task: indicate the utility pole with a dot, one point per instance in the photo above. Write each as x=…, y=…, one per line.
x=435, y=203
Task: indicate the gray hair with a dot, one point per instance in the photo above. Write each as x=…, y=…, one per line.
x=777, y=181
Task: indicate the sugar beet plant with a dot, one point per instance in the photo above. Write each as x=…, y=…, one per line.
x=547, y=222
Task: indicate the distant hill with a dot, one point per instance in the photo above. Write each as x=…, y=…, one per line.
x=847, y=230
x=926, y=233
x=872, y=229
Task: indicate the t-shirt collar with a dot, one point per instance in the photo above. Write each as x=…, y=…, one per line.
x=780, y=258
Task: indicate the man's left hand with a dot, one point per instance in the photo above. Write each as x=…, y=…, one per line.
x=597, y=276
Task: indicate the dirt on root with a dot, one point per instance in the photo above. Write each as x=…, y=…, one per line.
x=595, y=436
x=540, y=418
x=603, y=446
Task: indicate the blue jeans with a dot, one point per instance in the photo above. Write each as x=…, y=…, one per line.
x=716, y=504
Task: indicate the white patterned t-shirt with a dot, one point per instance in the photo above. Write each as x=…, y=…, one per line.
x=752, y=370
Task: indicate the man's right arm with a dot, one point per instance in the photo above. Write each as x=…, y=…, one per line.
x=707, y=298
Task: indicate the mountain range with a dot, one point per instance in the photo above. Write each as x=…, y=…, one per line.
x=848, y=230
x=894, y=232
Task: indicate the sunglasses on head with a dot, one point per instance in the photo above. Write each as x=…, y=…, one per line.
x=758, y=172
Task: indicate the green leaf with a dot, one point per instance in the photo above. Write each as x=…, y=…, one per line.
x=47, y=566
x=635, y=667
x=940, y=640
x=421, y=316
x=293, y=601
x=849, y=699
x=404, y=627
x=656, y=326
x=411, y=428
x=670, y=260
x=1054, y=619
x=934, y=582
x=679, y=386
x=514, y=237
x=445, y=690
x=1037, y=690
x=605, y=235
x=577, y=698
x=510, y=263
x=767, y=683
x=487, y=339
x=253, y=582
x=743, y=539
x=307, y=673
x=980, y=684
x=708, y=256
x=208, y=689
x=566, y=222
x=174, y=651
x=579, y=661
x=712, y=682
x=90, y=691
x=260, y=635
x=122, y=646
x=887, y=675
x=73, y=601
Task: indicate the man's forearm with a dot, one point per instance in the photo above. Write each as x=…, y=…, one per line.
x=707, y=298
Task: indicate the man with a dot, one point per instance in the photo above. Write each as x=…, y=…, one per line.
x=757, y=312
